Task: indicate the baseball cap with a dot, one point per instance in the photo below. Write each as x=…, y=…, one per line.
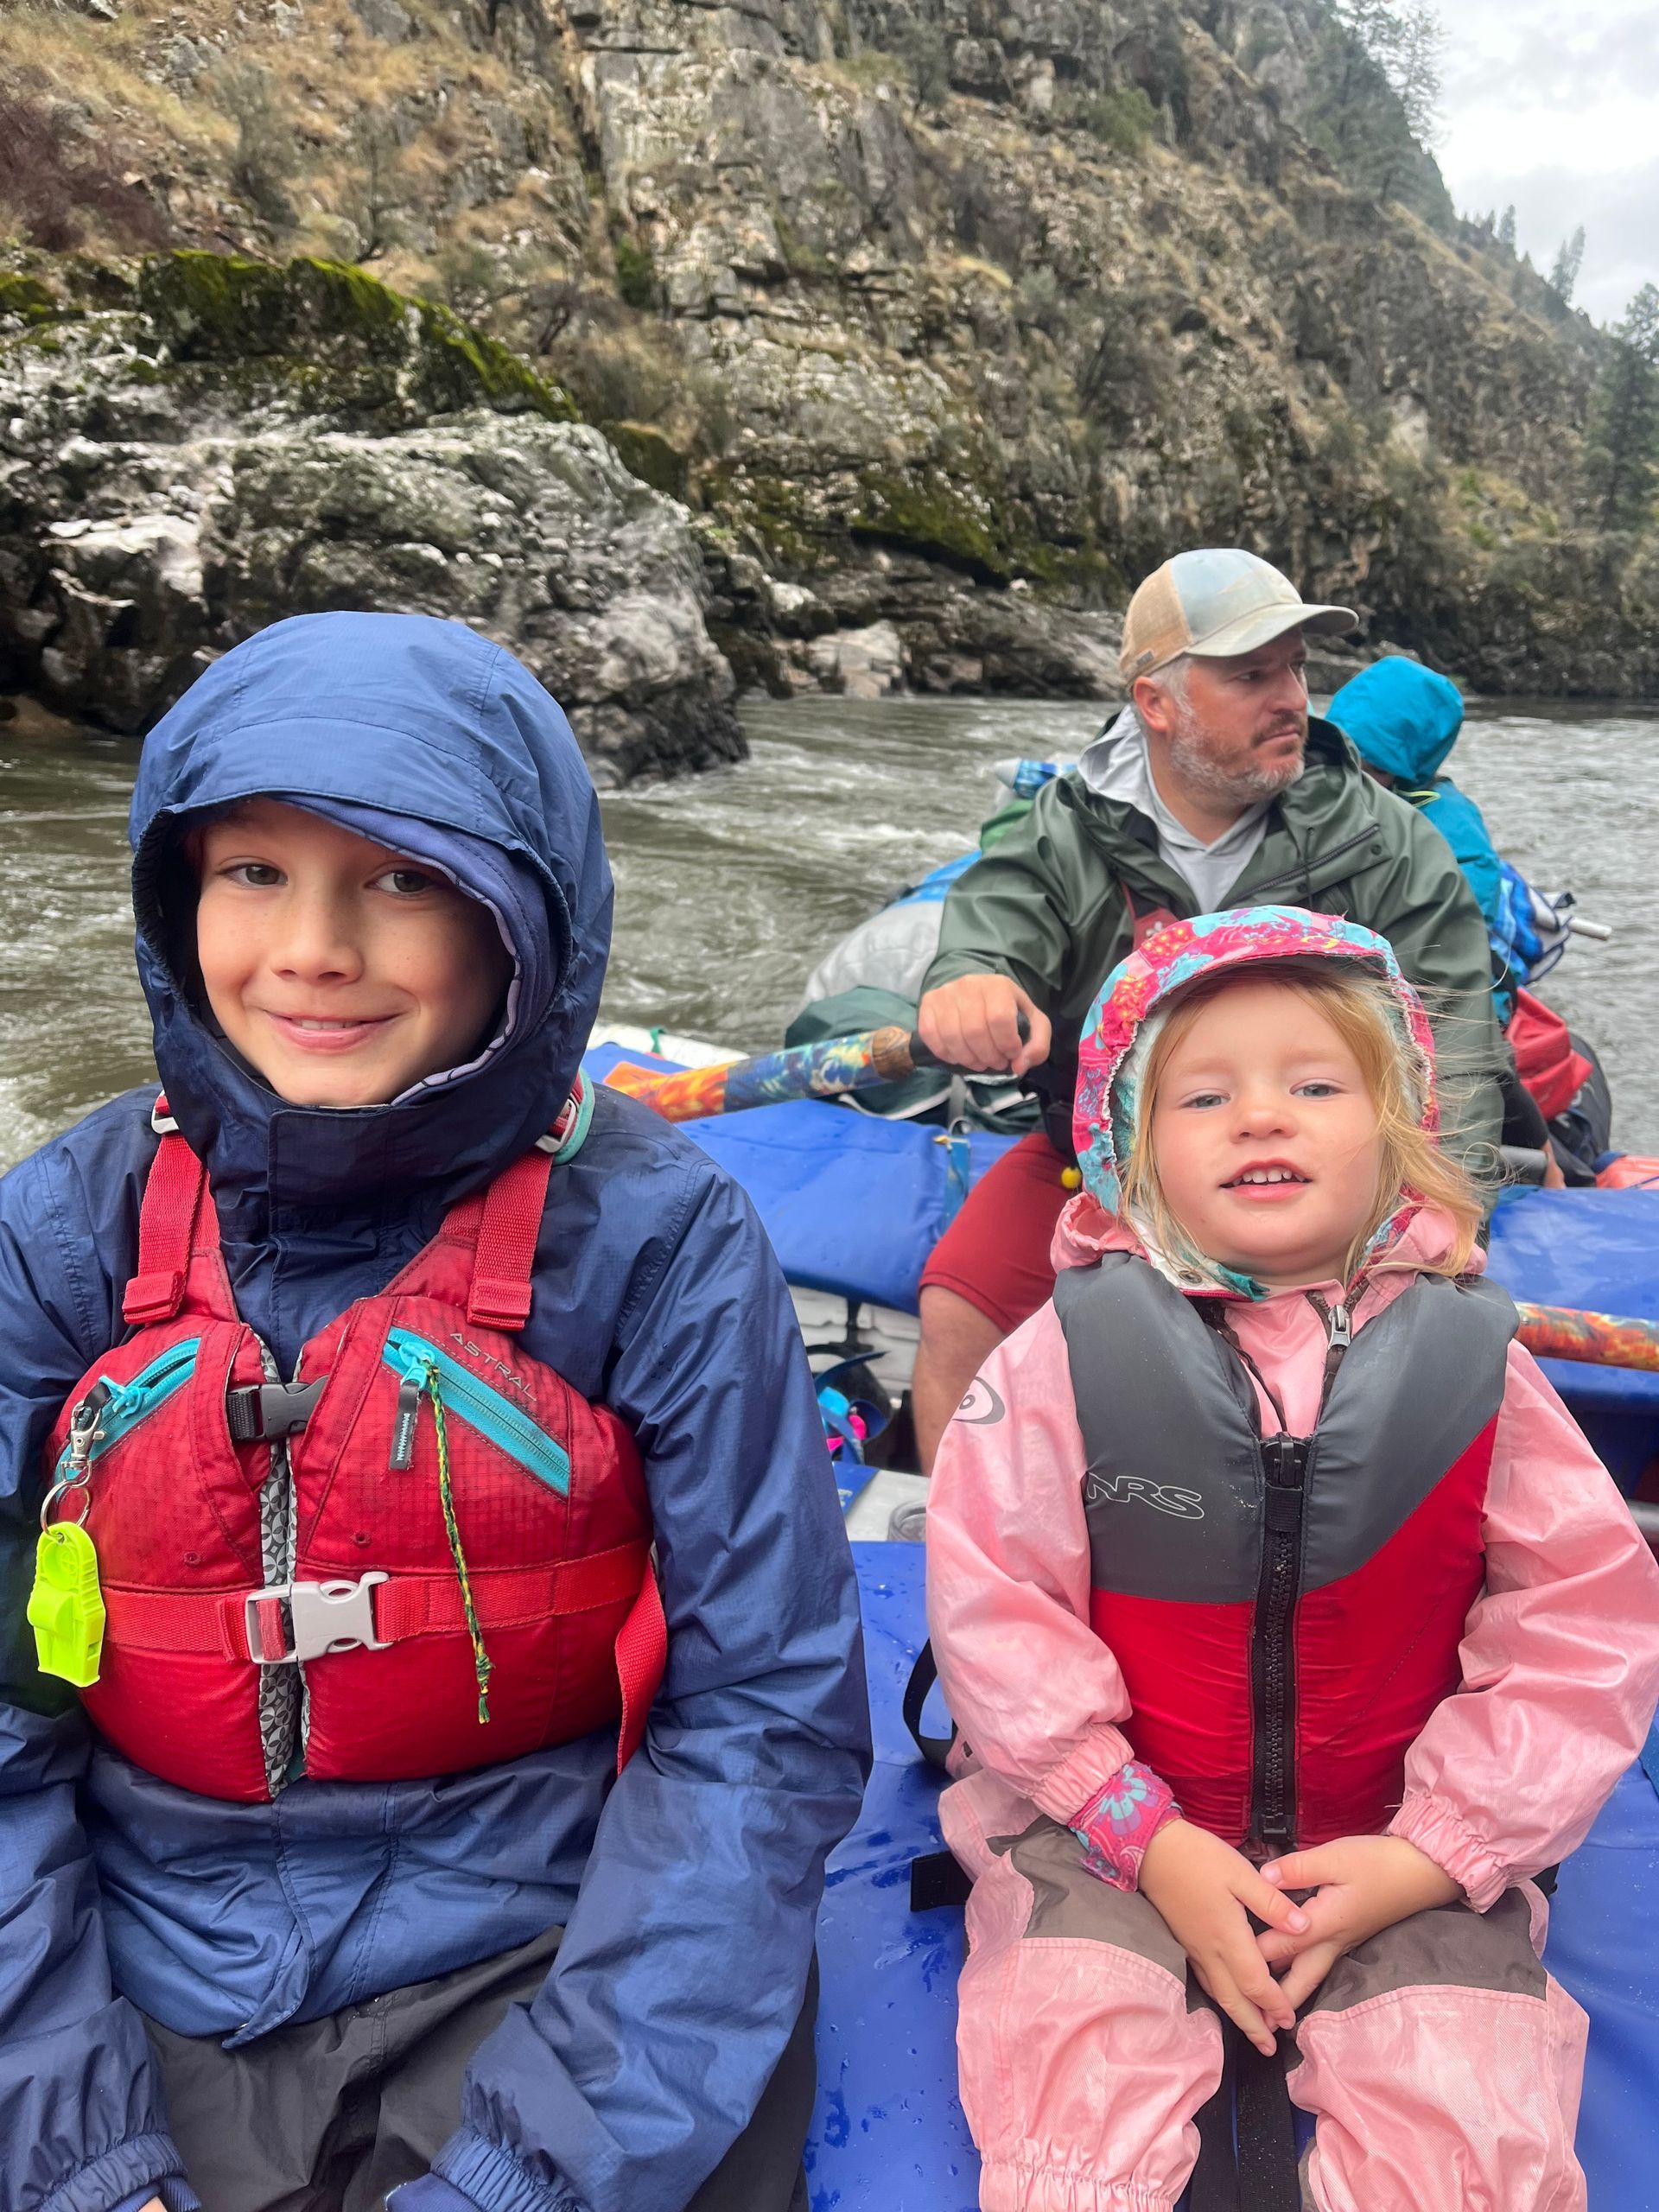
x=1215, y=601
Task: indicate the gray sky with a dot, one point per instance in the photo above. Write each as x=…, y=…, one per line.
x=1556, y=108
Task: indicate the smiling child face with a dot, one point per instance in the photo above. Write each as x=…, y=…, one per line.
x=1265, y=1136
x=343, y=972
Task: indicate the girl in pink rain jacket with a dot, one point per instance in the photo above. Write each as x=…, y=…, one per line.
x=1288, y=1621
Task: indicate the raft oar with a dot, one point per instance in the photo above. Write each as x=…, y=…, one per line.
x=1599, y=1339
x=828, y=1069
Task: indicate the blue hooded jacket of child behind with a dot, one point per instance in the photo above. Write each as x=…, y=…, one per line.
x=688, y=1888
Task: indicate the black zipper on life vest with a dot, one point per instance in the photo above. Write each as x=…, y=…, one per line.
x=1272, y=1657
x=1273, y=1653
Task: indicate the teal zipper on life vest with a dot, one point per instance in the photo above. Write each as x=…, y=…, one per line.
x=492, y=1415
x=129, y=1403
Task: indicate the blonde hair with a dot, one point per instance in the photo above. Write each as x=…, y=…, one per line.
x=1360, y=1007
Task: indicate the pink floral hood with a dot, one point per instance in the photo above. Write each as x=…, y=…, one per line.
x=1131, y=1010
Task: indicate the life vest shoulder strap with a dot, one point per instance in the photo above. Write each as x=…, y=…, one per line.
x=178, y=1236
x=502, y=1224
x=503, y=1253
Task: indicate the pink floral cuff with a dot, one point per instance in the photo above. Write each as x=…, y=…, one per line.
x=1120, y=1821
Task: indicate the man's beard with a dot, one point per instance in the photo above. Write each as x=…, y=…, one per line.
x=1241, y=787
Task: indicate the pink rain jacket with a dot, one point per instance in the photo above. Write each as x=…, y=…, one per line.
x=1560, y=1657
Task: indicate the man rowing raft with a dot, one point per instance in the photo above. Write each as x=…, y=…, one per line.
x=1214, y=787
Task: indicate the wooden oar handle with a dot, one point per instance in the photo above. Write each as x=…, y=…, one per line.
x=908, y=1053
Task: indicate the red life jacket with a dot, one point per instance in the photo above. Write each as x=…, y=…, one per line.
x=296, y=1569
x=1287, y=1610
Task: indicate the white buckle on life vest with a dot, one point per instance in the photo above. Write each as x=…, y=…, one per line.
x=303, y=1620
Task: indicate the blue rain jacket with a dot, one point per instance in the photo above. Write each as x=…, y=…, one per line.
x=689, y=1888
x=1404, y=718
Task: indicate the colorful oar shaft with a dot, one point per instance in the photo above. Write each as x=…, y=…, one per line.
x=826, y=1069
x=1603, y=1340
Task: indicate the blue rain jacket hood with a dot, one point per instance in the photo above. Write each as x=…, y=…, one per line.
x=1403, y=718
x=426, y=738
x=688, y=1888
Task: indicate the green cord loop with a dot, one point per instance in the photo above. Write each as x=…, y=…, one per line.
x=482, y=1664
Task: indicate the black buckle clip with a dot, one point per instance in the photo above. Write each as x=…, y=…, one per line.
x=266, y=1410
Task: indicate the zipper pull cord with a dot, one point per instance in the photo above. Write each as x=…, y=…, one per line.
x=482, y=1664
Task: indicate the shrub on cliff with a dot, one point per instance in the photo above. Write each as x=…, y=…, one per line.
x=267, y=152
x=636, y=273
x=1123, y=118
x=54, y=194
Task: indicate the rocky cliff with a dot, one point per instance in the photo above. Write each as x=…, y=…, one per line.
x=930, y=324
x=235, y=442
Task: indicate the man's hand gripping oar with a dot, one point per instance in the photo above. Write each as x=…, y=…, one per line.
x=827, y=1070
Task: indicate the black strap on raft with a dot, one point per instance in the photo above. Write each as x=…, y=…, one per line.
x=936, y=1880
x=923, y=1676
x=1247, y=2135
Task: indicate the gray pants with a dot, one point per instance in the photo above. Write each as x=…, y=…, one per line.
x=327, y=2116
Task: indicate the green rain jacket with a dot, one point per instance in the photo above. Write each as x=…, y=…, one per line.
x=1047, y=908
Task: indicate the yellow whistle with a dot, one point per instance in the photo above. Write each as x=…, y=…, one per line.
x=65, y=1607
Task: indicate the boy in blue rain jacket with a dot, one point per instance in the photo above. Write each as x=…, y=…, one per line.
x=529, y=1986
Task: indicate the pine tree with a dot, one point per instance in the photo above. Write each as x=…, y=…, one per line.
x=1415, y=73
x=1568, y=261
x=1375, y=85
x=1405, y=40
x=1622, y=460
x=1506, y=229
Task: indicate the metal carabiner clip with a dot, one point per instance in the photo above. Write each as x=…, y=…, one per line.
x=84, y=1433
x=59, y=1488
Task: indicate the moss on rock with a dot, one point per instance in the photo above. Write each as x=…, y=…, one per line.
x=27, y=298
x=335, y=337
x=947, y=518
x=780, y=513
x=651, y=456
x=927, y=513
x=975, y=528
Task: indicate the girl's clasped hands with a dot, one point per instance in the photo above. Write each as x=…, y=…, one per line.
x=1207, y=1892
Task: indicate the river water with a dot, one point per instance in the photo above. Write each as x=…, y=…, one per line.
x=730, y=886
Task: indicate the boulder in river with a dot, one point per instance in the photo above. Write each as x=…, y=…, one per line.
x=234, y=441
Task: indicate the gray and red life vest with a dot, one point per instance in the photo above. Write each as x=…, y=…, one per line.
x=345, y=1572
x=1287, y=1610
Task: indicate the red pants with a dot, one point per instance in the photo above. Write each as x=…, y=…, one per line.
x=995, y=1253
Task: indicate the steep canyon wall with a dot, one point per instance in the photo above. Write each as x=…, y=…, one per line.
x=916, y=331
